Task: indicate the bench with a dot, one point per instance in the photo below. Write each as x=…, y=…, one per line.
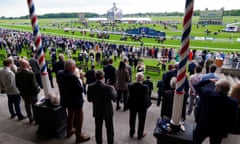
x=152, y=69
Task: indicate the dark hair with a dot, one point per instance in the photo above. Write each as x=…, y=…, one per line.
x=99, y=75
x=176, y=65
x=198, y=69
x=110, y=60
x=122, y=65
x=170, y=67
x=213, y=68
x=148, y=77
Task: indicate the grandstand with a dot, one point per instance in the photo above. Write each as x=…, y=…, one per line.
x=211, y=17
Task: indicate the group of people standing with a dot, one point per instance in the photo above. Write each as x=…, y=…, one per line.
x=102, y=88
x=216, y=101
x=216, y=114
x=19, y=83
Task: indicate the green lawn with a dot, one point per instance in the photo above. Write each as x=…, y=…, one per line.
x=222, y=42
x=55, y=27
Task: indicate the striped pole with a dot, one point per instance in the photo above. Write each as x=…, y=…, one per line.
x=181, y=74
x=40, y=52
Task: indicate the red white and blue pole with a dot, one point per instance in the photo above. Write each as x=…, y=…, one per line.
x=38, y=44
x=181, y=74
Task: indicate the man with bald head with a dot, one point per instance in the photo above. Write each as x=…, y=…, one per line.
x=71, y=98
x=215, y=112
x=138, y=102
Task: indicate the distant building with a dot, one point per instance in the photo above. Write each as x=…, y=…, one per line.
x=116, y=15
x=211, y=17
x=123, y=20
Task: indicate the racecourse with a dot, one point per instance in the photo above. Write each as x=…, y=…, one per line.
x=222, y=41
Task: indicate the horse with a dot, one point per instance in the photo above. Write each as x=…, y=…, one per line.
x=136, y=37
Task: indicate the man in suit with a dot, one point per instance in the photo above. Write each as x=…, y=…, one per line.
x=110, y=73
x=8, y=85
x=101, y=95
x=215, y=111
x=149, y=83
x=28, y=87
x=35, y=69
x=138, y=103
x=90, y=75
x=129, y=68
x=58, y=65
x=172, y=72
x=71, y=98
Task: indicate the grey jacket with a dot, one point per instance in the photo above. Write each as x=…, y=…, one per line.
x=8, y=82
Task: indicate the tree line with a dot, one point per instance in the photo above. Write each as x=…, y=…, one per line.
x=148, y=14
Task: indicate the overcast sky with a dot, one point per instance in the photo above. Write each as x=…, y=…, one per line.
x=15, y=8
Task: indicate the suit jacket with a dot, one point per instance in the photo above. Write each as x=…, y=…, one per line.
x=101, y=95
x=129, y=68
x=58, y=66
x=8, y=82
x=215, y=112
x=149, y=83
x=138, y=97
x=122, y=79
x=70, y=90
x=235, y=129
x=167, y=78
x=90, y=75
x=110, y=74
x=35, y=66
x=26, y=83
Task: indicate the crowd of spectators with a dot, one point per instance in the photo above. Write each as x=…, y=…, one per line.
x=204, y=87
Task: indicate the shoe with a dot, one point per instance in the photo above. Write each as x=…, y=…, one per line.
x=83, y=138
x=21, y=118
x=13, y=116
x=31, y=120
x=131, y=135
x=142, y=136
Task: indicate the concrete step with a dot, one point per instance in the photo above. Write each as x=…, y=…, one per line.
x=10, y=139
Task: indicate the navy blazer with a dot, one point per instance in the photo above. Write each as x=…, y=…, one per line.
x=215, y=112
x=27, y=84
x=110, y=74
x=101, y=95
x=70, y=90
x=138, y=97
